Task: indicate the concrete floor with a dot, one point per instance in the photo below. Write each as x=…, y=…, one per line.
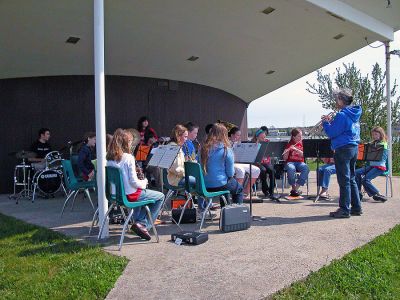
x=286, y=243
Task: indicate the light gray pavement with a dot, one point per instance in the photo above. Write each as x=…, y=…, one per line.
x=292, y=239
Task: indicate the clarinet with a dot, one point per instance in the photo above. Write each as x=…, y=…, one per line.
x=139, y=170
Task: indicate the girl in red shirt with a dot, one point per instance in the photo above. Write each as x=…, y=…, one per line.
x=293, y=155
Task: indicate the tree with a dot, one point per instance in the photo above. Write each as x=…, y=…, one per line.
x=368, y=92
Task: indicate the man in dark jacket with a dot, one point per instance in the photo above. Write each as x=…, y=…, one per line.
x=344, y=132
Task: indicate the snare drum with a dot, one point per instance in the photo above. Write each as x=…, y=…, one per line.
x=47, y=181
x=53, y=160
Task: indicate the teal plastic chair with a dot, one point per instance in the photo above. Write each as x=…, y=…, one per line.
x=115, y=194
x=74, y=186
x=194, y=169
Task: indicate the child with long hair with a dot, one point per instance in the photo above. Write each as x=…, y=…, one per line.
x=374, y=169
x=147, y=134
x=119, y=156
x=266, y=168
x=218, y=163
x=293, y=155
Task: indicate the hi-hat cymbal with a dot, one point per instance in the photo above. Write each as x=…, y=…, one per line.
x=23, y=154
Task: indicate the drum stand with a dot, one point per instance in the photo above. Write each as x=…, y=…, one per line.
x=26, y=182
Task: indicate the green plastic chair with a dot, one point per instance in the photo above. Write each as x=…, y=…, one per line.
x=194, y=169
x=115, y=194
x=74, y=186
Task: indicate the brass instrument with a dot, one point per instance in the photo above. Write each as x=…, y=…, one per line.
x=317, y=129
x=228, y=125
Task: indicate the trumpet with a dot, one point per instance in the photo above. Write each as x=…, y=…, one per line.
x=317, y=129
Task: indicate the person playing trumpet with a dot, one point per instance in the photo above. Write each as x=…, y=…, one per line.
x=344, y=132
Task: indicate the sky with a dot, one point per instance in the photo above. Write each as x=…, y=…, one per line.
x=263, y=111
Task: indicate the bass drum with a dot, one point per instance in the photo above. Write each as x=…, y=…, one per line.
x=47, y=181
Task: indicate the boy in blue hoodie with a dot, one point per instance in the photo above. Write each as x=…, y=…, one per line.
x=344, y=132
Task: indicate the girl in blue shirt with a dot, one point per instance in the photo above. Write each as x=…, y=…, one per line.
x=217, y=162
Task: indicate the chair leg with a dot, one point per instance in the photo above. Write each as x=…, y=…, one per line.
x=205, y=213
x=184, y=207
x=124, y=229
x=66, y=201
x=169, y=194
x=95, y=217
x=104, y=220
x=90, y=199
x=152, y=223
x=73, y=201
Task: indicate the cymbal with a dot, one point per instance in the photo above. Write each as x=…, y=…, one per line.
x=23, y=154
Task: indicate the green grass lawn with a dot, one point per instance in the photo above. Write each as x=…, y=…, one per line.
x=369, y=272
x=37, y=263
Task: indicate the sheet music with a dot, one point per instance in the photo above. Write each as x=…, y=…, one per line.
x=245, y=152
x=164, y=156
x=169, y=156
x=157, y=156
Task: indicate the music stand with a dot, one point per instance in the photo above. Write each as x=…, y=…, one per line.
x=275, y=150
x=142, y=152
x=249, y=153
x=317, y=148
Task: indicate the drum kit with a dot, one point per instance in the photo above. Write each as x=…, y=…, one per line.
x=47, y=177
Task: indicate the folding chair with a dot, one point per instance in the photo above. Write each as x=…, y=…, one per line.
x=74, y=186
x=194, y=169
x=115, y=194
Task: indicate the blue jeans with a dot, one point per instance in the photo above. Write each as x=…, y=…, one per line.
x=345, y=162
x=292, y=168
x=235, y=189
x=202, y=204
x=364, y=177
x=324, y=175
x=140, y=214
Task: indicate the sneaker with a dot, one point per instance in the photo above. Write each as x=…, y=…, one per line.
x=141, y=231
x=294, y=193
x=215, y=206
x=339, y=213
x=356, y=212
x=379, y=197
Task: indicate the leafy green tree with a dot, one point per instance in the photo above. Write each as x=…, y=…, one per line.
x=369, y=91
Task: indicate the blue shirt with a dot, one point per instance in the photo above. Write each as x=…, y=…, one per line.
x=345, y=127
x=219, y=166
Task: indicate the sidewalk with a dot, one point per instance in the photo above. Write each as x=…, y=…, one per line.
x=289, y=240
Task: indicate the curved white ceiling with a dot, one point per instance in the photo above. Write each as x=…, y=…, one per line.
x=236, y=43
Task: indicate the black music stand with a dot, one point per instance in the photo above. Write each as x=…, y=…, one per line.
x=275, y=150
x=241, y=156
x=317, y=148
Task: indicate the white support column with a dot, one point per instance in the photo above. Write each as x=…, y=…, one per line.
x=389, y=106
x=99, y=87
